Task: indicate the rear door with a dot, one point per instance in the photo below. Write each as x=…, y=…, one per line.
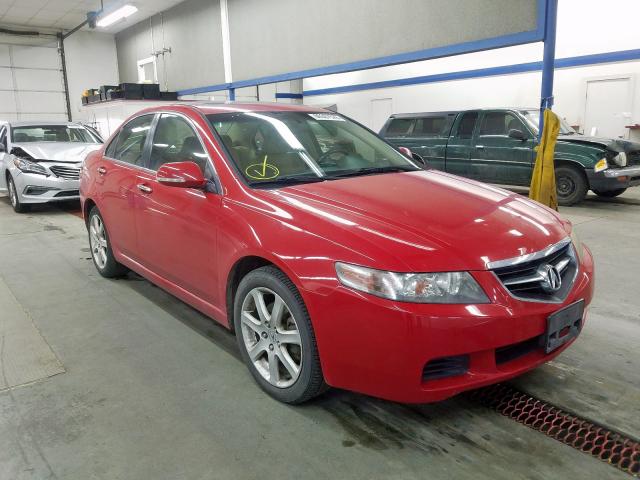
x=429, y=137
x=116, y=173
x=177, y=227
x=505, y=160
x=461, y=153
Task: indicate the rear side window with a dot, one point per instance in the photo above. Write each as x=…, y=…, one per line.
x=129, y=145
x=400, y=126
x=429, y=127
x=467, y=125
x=499, y=123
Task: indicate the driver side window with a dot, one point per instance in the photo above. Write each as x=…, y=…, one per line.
x=175, y=140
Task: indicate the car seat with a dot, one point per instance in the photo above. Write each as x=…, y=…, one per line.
x=192, y=151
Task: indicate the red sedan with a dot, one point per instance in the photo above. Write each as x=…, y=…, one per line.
x=336, y=259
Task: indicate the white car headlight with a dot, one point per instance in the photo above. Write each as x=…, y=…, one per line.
x=620, y=159
x=29, y=167
x=443, y=287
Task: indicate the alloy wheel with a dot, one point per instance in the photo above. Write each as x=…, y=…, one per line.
x=13, y=196
x=271, y=337
x=98, y=240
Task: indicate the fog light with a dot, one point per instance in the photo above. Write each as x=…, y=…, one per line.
x=35, y=190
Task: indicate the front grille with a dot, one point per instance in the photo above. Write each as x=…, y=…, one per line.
x=633, y=158
x=69, y=173
x=445, y=367
x=68, y=193
x=516, y=350
x=526, y=279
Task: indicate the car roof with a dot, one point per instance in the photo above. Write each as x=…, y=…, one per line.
x=34, y=123
x=454, y=112
x=231, y=107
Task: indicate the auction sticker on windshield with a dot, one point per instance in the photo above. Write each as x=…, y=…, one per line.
x=327, y=116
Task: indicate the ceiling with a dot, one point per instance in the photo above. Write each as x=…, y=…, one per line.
x=67, y=14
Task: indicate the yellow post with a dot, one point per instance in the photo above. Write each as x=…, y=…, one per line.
x=543, y=180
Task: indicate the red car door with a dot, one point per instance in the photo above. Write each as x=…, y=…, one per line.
x=177, y=227
x=117, y=172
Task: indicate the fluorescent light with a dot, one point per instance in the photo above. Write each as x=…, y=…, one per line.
x=119, y=14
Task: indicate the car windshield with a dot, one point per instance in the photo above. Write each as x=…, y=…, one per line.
x=52, y=133
x=533, y=118
x=279, y=148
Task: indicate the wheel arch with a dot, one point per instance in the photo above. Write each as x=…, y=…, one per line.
x=86, y=208
x=563, y=162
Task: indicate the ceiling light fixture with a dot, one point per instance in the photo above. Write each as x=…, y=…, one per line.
x=119, y=14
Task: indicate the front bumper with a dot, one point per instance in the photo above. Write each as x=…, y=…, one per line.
x=33, y=188
x=380, y=348
x=614, y=178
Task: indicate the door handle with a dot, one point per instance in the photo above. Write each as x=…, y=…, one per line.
x=102, y=170
x=480, y=147
x=144, y=188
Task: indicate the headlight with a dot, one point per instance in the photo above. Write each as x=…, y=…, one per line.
x=29, y=167
x=445, y=287
x=577, y=244
x=601, y=165
x=620, y=159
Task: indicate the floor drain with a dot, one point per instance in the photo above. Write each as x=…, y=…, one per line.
x=601, y=442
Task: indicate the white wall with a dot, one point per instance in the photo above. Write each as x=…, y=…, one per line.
x=91, y=62
x=584, y=27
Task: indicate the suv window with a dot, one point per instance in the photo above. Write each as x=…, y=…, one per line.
x=129, y=144
x=467, y=125
x=175, y=141
x=3, y=137
x=400, y=126
x=499, y=123
x=429, y=127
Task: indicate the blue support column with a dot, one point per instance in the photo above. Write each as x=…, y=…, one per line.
x=232, y=94
x=548, y=60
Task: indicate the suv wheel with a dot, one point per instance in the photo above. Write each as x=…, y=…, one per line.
x=571, y=185
x=18, y=207
x=276, y=338
x=101, y=252
x=610, y=193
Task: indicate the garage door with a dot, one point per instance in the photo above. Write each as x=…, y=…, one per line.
x=31, y=83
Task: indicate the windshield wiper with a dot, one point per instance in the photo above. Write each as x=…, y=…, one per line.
x=372, y=171
x=288, y=180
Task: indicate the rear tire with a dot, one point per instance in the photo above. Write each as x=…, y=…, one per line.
x=610, y=193
x=18, y=206
x=571, y=185
x=284, y=358
x=101, y=252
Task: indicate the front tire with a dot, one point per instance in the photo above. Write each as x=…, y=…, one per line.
x=18, y=206
x=101, y=252
x=610, y=193
x=276, y=338
x=571, y=185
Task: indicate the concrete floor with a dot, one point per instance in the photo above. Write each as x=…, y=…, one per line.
x=118, y=380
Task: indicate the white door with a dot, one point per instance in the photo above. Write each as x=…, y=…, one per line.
x=381, y=109
x=608, y=107
x=31, y=84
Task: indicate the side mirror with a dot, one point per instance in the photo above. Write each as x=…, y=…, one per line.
x=181, y=174
x=413, y=156
x=517, y=134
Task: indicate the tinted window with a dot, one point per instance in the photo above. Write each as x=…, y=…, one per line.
x=467, y=124
x=52, y=133
x=130, y=142
x=400, y=126
x=3, y=137
x=175, y=141
x=429, y=127
x=499, y=123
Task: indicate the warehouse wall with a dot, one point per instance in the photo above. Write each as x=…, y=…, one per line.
x=191, y=30
x=91, y=61
x=584, y=27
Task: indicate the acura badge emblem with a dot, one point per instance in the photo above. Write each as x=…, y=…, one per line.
x=551, y=279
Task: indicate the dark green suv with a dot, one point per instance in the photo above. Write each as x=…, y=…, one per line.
x=497, y=146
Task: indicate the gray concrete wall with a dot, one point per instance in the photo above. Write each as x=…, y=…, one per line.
x=192, y=30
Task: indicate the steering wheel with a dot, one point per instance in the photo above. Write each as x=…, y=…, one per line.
x=328, y=158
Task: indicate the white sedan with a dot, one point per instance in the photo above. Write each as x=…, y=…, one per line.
x=40, y=161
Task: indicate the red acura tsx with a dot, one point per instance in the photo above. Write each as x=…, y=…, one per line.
x=336, y=259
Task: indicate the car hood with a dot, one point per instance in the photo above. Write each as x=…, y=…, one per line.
x=614, y=144
x=58, y=151
x=421, y=221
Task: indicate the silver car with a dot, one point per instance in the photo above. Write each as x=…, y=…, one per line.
x=40, y=161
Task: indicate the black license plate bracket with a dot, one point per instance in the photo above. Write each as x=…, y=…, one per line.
x=563, y=325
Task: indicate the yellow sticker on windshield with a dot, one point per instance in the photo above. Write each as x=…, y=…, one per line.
x=262, y=171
